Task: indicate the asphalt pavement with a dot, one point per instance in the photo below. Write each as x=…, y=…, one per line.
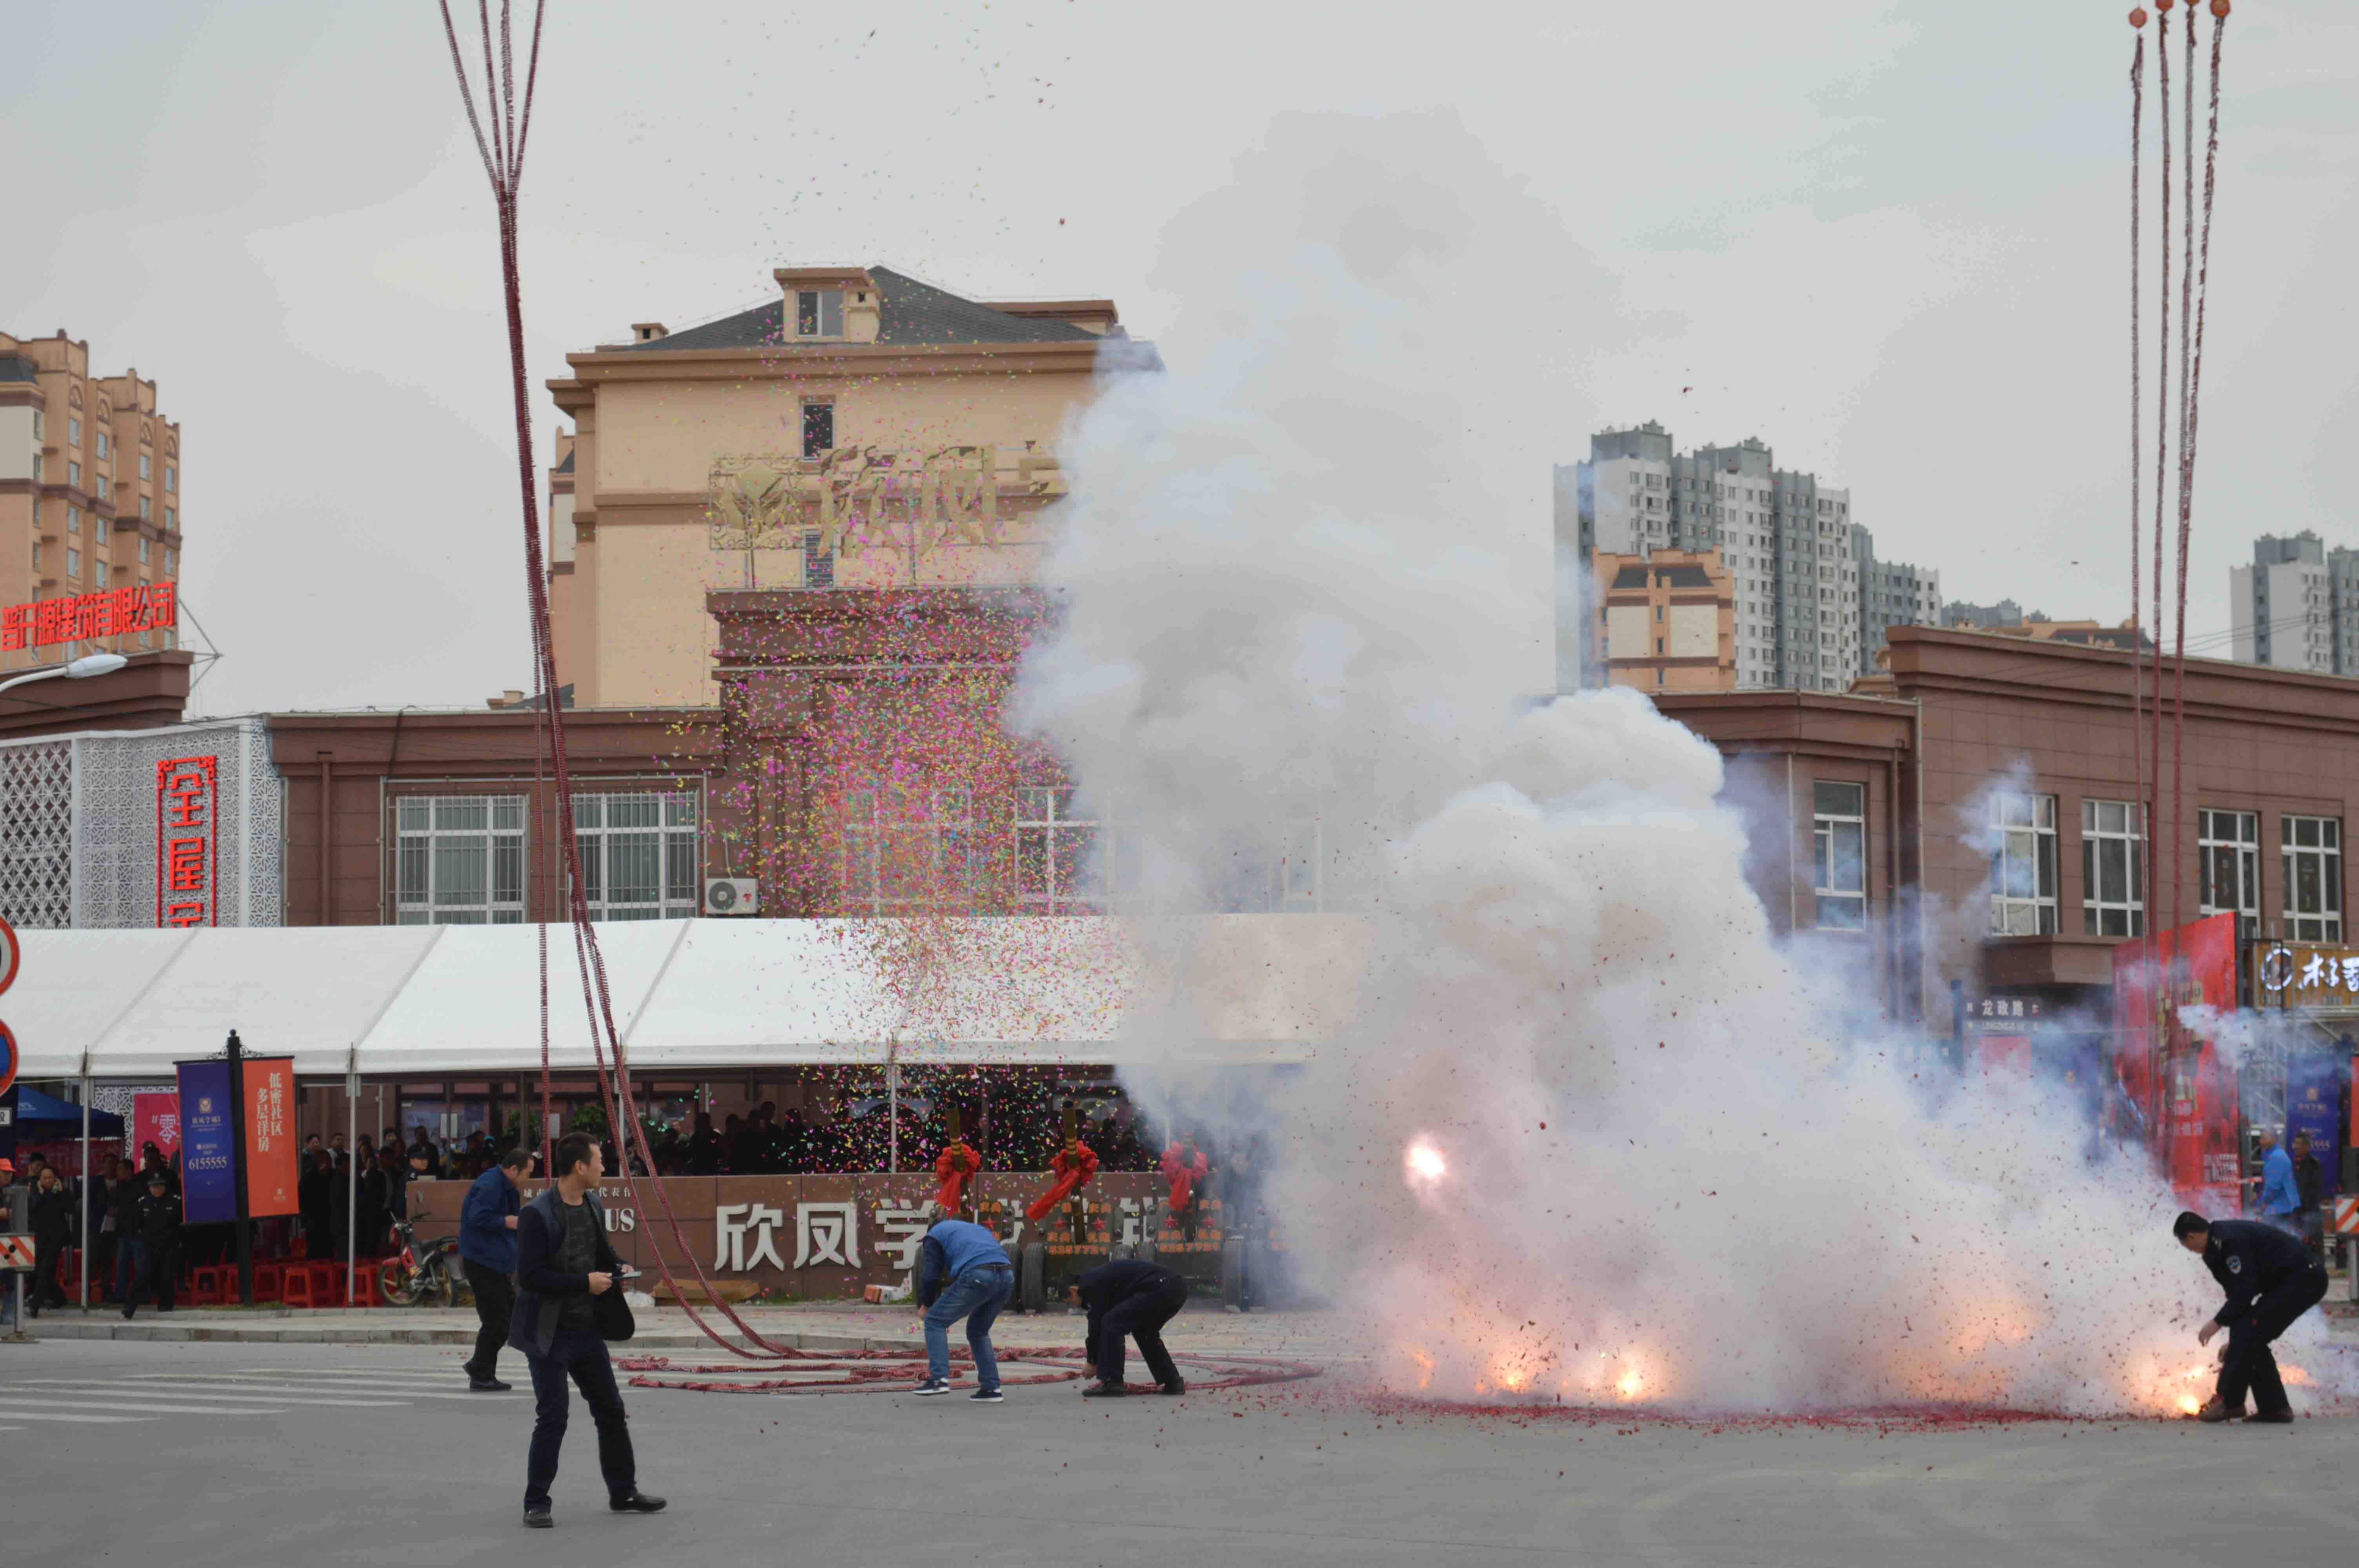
x=244, y=1454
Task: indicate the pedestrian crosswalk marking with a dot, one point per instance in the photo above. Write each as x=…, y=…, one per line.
x=144, y=1388
x=16, y=1401
x=49, y=1415
x=194, y=1382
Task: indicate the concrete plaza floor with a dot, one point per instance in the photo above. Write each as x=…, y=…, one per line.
x=243, y=1454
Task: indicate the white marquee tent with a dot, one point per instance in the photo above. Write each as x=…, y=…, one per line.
x=439, y=1001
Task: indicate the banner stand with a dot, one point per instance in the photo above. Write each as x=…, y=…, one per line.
x=237, y=1157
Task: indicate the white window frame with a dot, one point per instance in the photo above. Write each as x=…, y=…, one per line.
x=2023, y=865
x=826, y=313
x=1839, y=854
x=2113, y=868
x=1070, y=857
x=2231, y=841
x=613, y=831
x=2320, y=857
x=438, y=841
x=907, y=848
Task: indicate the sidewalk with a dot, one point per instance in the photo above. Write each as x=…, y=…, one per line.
x=849, y=1325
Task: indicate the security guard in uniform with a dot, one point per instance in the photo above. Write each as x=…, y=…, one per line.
x=2271, y=1279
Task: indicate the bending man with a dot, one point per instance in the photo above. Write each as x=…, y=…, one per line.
x=1128, y=1297
x=2271, y=1279
x=962, y=1272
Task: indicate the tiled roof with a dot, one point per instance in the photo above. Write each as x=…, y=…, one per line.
x=16, y=367
x=912, y=313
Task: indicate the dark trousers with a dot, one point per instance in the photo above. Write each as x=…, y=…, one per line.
x=494, y=1299
x=151, y=1275
x=580, y=1354
x=126, y=1266
x=44, y=1291
x=2248, y=1363
x=1141, y=1318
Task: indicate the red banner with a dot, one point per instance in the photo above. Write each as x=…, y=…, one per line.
x=185, y=840
x=156, y=1119
x=267, y=1093
x=2185, y=1096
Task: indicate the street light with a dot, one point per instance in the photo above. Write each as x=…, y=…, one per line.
x=80, y=669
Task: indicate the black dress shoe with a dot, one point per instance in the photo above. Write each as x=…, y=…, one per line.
x=537, y=1519
x=487, y=1386
x=2271, y=1417
x=1102, y=1391
x=636, y=1503
x=1176, y=1385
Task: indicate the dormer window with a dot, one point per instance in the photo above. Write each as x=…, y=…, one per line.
x=818, y=313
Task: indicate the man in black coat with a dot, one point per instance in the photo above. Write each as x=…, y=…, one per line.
x=157, y=1223
x=1128, y=1297
x=568, y=1304
x=53, y=1234
x=2271, y=1279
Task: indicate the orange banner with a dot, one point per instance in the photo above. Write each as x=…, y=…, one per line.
x=266, y=1090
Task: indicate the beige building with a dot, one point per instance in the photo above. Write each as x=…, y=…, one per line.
x=1666, y=621
x=90, y=490
x=865, y=431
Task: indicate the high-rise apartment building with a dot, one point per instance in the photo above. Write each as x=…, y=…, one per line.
x=2297, y=606
x=1812, y=602
x=90, y=492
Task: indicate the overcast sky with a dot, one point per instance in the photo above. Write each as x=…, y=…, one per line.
x=1889, y=239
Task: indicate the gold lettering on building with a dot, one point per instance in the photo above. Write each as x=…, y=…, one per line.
x=862, y=498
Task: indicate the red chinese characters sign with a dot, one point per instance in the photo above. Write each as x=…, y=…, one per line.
x=185, y=881
x=78, y=618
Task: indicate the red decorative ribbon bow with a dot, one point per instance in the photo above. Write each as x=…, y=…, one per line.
x=1185, y=1172
x=1072, y=1167
x=957, y=1166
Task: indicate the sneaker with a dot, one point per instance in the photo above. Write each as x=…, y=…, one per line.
x=2213, y=1412
x=987, y=1397
x=931, y=1386
x=487, y=1386
x=537, y=1519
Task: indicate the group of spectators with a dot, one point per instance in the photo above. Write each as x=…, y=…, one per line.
x=128, y=1214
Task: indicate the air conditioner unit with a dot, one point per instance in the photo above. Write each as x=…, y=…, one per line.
x=732, y=895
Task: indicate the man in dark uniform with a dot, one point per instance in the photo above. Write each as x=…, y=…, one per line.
x=156, y=1262
x=2271, y=1279
x=1128, y=1297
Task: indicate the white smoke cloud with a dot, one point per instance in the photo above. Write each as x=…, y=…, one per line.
x=1593, y=1132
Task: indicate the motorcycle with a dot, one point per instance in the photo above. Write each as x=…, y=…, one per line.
x=420, y=1271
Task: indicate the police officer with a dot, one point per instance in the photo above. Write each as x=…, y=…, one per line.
x=157, y=1263
x=1128, y=1297
x=2271, y=1279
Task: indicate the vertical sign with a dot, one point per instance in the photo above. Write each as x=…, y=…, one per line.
x=271, y=1164
x=156, y=1119
x=2188, y=1097
x=209, y=1162
x=184, y=841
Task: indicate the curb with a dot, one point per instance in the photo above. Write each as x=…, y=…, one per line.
x=394, y=1334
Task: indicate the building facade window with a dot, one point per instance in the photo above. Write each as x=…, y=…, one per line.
x=638, y=854
x=73, y=475
x=104, y=445
x=2228, y=849
x=142, y=507
x=143, y=549
x=2023, y=865
x=2311, y=849
x=818, y=313
x=171, y=479
x=908, y=848
x=74, y=432
x=99, y=531
x=2113, y=868
x=74, y=563
x=819, y=429
x=1068, y=854
x=142, y=466
x=98, y=574
x=1839, y=835
x=457, y=858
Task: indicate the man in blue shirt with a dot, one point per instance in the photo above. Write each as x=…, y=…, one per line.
x=2280, y=1199
x=487, y=1253
x=962, y=1272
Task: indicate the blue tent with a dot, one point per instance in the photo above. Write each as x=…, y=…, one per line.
x=45, y=1118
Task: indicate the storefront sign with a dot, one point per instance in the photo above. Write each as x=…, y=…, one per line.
x=2167, y=1065
x=156, y=1119
x=859, y=497
x=831, y=1237
x=272, y=1152
x=79, y=618
x=208, y=1163
x=185, y=860
x=2297, y=975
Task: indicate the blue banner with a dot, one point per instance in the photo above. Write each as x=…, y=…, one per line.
x=2314, y=1081
x=208, y=1153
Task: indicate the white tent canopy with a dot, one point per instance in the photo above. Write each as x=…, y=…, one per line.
x=443, y=1001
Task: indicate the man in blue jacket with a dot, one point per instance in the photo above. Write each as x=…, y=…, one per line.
x=2280, y=1200
x=487, y=1255
x=565, y=1266
x=962, y=1272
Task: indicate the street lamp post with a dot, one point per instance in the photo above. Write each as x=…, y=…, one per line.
x=80, y=669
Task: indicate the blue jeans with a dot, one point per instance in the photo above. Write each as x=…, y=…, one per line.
x=976, y=1295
